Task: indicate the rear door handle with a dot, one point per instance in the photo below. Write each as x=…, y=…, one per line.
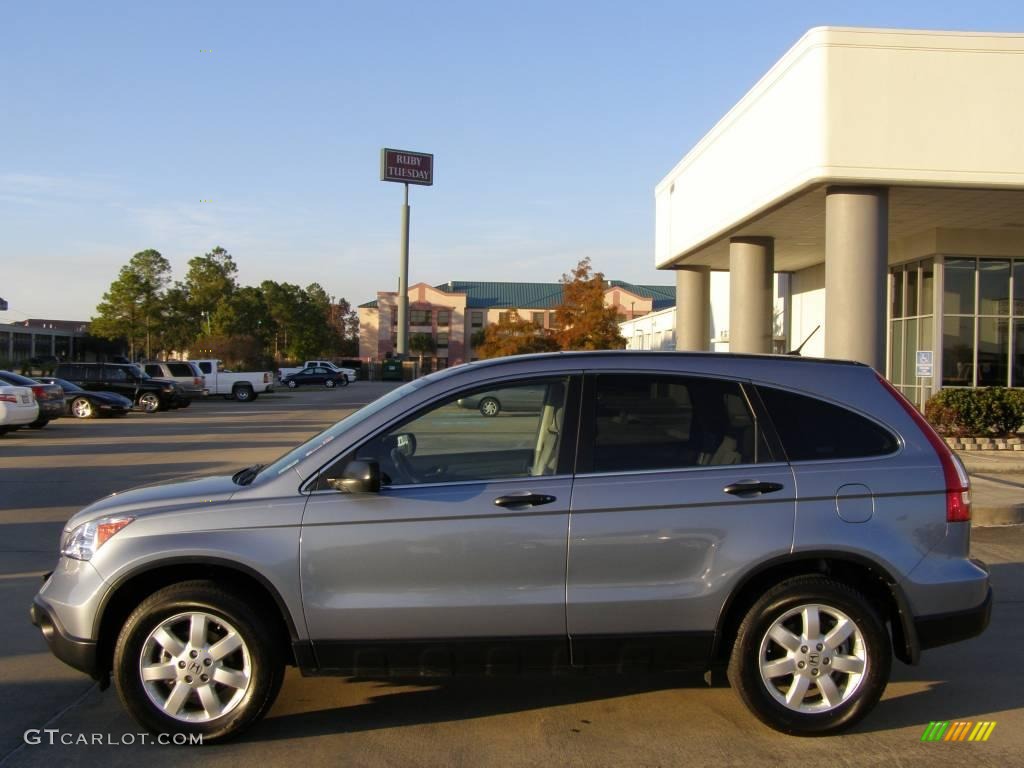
x=524, y=500
x=752, y=488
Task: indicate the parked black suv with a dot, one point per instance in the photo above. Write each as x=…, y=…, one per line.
x=147, y=393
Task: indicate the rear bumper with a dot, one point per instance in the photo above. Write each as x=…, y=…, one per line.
x=80, y=654
x=945, y=628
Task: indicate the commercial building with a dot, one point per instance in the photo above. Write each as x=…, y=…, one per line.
x=883, y=171
x=25, y=339
x=451, y=313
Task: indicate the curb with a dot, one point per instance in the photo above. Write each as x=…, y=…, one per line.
x=990, y=516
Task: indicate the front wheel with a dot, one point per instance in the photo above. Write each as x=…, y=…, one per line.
x=149, y=402
x=812, y=657
x=195, y=658
x=292, y=384
x=81, y=408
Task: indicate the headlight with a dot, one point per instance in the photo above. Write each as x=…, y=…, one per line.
x=83, y=541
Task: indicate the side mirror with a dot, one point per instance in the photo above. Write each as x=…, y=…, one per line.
x=358, y=476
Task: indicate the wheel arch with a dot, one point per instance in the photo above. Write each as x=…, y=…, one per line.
x=132, y=588
x=862, y=573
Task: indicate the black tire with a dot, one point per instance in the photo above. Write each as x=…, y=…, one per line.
x=745, y=670
x=266, y=659
x=489, y=407
x=343, y=381
x=38, y=423
x=243, y=393
x=184, y=403
x=292, y=384
x=330, y=383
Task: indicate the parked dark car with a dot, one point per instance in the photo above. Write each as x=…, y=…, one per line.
x=147, y=393
x=49, y=396
x=186, y=373
x=83, y=404
x=316, y=375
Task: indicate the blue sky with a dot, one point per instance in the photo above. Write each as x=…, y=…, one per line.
x=551, y=122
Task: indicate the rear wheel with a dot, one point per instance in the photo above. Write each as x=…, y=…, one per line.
x=330, y=383
x=81, y=408
x=292, y=384
x=196, y=658
x=489, y=406
x=811, y=657
x=149, y=402
x=184, y=403
x=38, y=423
x=243, y=393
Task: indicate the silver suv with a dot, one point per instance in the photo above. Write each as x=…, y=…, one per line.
x=793, y=521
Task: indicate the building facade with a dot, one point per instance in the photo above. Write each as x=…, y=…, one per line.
x=883, y=171
x=453, y=312
x=25, y=339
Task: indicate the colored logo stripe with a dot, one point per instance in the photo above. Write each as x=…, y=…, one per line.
x=959, y=730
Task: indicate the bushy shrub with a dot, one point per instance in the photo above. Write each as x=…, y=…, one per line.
x=980, y=412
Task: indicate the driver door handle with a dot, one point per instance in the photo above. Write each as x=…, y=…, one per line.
x=524, y=500
x=752, y=488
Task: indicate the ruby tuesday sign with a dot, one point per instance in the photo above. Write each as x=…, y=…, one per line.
x=406, y=167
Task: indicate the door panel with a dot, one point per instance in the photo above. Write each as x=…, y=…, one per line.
x=437, y=561
x=658, y=552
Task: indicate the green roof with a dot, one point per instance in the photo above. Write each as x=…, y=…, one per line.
x=483, y=295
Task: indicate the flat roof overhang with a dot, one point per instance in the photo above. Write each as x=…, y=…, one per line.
x=934, y=116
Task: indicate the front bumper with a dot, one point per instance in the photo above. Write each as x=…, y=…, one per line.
x=945, y=628
x=80, y=654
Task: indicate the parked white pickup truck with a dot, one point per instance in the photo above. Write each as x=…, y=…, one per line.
x=350, y=374
x=239, y=386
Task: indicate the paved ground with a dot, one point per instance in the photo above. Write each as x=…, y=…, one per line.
x=567, y=720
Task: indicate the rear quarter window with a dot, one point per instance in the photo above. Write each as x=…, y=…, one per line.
x=814, y=430
x=180, y=369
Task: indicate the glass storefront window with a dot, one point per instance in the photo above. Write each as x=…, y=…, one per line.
x=958, y=351
x=993, y=351
x=896, y=347
x=1017, y=371
x=912, y=291
x=993, y=287
x=910, y=352
x=897, y=293
x=958, y=287
x=927, y=287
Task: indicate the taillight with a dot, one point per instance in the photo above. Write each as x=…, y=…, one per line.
x=266, y=378
x=8, y=398
x=39, y=392
x=197, y=382
x=958, y=484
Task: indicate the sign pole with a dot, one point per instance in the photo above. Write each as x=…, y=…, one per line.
x=402, y=347
x=406, y=168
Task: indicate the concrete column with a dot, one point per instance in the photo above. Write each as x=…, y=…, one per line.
x=751, y=268
x=856, y=263
x=693, y=305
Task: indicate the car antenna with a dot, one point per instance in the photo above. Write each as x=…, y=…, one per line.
x=796, y=352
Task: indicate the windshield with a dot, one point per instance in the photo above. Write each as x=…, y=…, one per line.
x=317, y=442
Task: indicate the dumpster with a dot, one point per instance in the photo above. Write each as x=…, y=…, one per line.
x=391, y=370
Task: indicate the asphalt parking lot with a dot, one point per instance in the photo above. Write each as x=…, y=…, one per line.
x=608, y=720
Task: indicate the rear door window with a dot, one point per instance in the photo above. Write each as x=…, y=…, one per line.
x=645, y=422
x=154, y=370
x=814, y=430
